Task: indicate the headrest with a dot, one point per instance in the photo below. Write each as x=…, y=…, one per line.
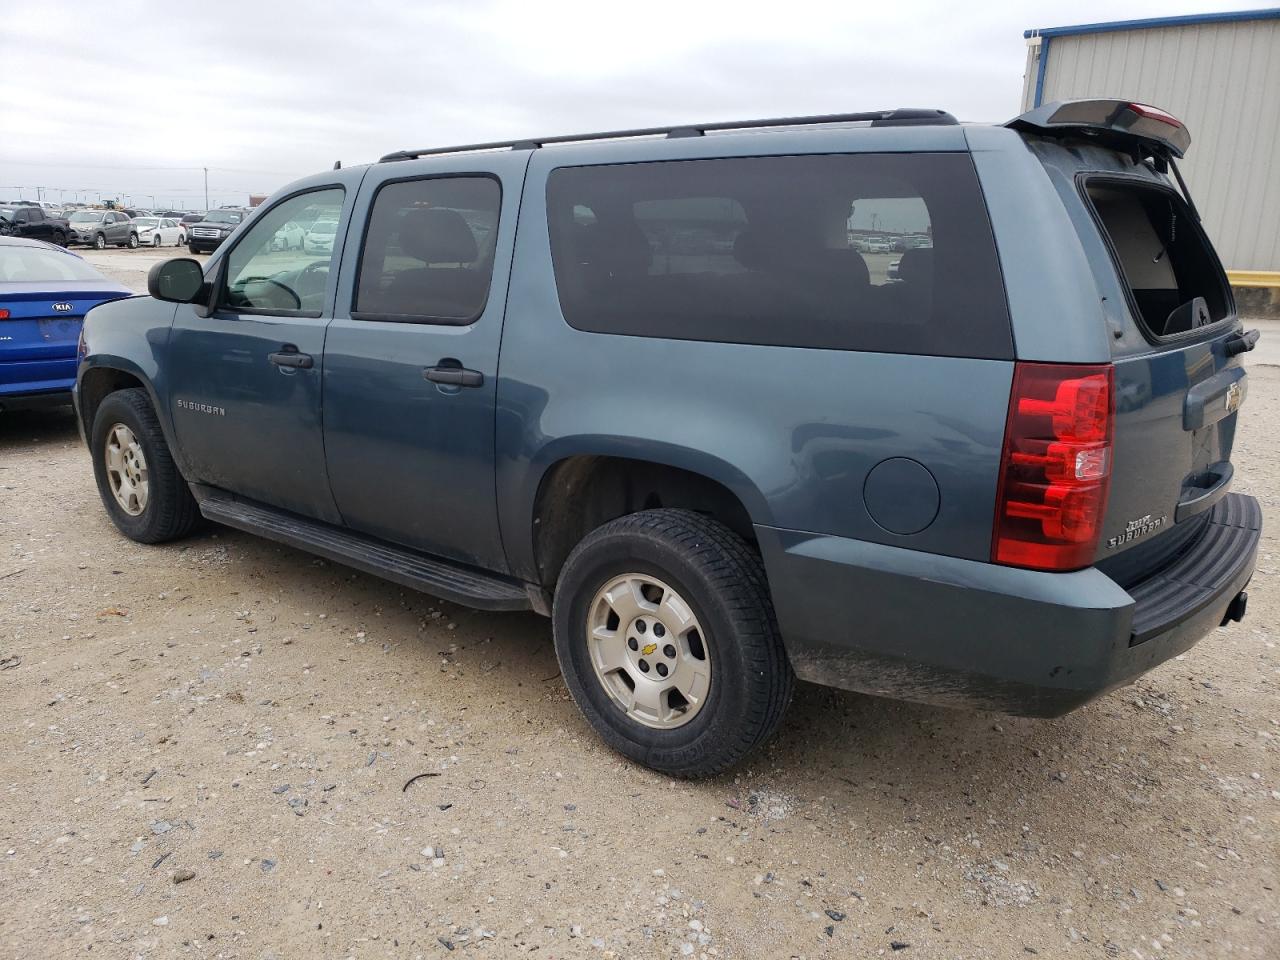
x=916, y=265
x=437, y=235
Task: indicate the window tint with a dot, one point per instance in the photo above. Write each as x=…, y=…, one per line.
x=428, y=250
x=269, y=269
x=879, y=252
x=1164, y=257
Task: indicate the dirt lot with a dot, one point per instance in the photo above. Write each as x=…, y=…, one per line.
x=244, y=716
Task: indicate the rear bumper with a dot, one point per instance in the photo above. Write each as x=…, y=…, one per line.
x=34, y=383
x=914, y=626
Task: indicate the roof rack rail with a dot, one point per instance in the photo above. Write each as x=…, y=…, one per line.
x=901, y=117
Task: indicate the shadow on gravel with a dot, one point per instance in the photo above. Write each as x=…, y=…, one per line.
x=23, y=429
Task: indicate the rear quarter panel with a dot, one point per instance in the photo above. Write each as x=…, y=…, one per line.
x=792, y=432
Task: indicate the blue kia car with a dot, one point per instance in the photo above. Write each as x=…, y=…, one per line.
x=45, y=292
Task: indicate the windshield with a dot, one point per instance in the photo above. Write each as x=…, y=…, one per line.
x=146, y=221
x=223, y=216
x=21, y=264
x=326, y=227
x=6, y=213
x=85, y=216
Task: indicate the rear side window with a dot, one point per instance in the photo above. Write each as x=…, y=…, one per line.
x=428, y=251
x=1175, y=282
x=879, y=252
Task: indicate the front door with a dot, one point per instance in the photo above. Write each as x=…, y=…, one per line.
x=411, y=359
x=246, y=379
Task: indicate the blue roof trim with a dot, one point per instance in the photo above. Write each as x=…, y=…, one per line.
x=1271, y=13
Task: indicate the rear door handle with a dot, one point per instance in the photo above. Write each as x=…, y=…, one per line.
x=290, y=357
x=457, y=376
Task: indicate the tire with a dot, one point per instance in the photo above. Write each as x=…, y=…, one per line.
x=100, y=242
x=169, y=511
x=191, y=248
x=155, y=241
x=60, y=239
x=133, y=241
x=722, y=583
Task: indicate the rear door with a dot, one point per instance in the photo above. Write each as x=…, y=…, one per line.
x=411, y=359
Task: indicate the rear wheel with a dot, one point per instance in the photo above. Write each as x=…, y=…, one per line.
x=666, y=637
x=60, y=238
x=145, y=495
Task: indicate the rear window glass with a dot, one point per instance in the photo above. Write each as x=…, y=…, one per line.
x=878, y=252
x=428, y=251
x=1175, y=281
x=23, y=264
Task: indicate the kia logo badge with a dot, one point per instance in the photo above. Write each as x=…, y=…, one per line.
x=63, y=307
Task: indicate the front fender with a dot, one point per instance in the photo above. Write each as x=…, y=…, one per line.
x=129, y=337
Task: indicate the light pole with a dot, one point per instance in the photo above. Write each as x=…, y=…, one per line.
x=206, y=187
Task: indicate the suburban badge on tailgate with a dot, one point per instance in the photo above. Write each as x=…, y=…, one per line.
x=1137, y=528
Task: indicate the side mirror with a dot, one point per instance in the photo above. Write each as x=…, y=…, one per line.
x=177, y=281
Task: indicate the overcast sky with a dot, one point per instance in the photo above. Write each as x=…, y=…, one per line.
x=134, y=96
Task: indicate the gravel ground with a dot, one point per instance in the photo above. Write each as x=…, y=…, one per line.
x=206, y=749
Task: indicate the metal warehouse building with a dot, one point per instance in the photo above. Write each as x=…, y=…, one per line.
x=1220, y=75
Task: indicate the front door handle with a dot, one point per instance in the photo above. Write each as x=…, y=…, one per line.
x=453, y=374
x=290, y=357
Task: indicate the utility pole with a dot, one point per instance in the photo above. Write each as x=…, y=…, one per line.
x=206, y=187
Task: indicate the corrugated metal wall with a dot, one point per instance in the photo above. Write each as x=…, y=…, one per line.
x=1223, y=81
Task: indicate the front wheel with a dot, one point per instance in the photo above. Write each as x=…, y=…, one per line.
x=133, y=241
x=191, y=248
x=666, y=637
x=100, y=242
x=155, y=241
x=145, y=495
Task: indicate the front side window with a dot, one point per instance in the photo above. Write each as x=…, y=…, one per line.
x=876, y=252
x=265, y=273
x=428, y=250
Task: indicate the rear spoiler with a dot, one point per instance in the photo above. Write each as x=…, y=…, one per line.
x=1133, y=128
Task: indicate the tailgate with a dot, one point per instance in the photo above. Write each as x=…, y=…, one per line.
x=1179, y=376
x=44, y=325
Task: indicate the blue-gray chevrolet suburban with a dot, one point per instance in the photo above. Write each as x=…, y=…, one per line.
x=883, y=401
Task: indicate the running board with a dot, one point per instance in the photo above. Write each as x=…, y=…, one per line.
x=440, y=578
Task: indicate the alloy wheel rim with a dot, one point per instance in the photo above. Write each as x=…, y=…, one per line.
x=126, y=470
x=649, y=651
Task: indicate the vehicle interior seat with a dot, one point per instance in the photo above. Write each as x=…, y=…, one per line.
x=450, y=282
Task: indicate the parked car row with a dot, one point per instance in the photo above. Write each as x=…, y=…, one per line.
x=100, y=228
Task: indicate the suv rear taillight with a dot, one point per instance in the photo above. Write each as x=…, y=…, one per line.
x=1056, y=466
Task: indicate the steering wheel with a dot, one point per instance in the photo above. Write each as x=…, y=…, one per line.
x=314, y=267
x=293, y=294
